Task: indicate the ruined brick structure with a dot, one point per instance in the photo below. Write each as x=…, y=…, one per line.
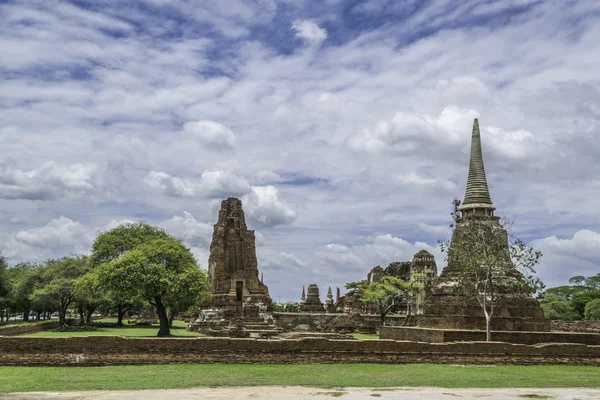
x=423, y=263
x=330, y=306
x=313, y=302
x=232, y=265
x=443, y=307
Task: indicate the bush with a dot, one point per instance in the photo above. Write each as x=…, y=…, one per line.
x=558, y=308
x=592, y=310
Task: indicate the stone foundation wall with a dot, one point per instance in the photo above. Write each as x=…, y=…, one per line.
x=448, y=336
x=317, y=321
x=575, y=326
x=112, y=350
x=21, y=329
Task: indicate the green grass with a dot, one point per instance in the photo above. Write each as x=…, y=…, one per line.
x=365, y=336
x=18, y=379
x=178, y=330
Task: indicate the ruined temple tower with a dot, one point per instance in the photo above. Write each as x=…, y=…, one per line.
x=443, y=307
x=233, y=267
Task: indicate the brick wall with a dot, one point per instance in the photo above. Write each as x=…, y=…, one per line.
x=317, y=321
x=576, y=326
x=21, y=329
x=110, y=350
x=447, y=336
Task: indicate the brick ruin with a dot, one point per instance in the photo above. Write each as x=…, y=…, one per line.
x=443, y=306
x=240, y=301
x=422, y=263
x=313, y=303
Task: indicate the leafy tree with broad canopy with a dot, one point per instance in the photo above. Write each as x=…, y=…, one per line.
x=137, y=259
x=557, y=307
x=390, y=292
x=592, y=310
x=57, y=283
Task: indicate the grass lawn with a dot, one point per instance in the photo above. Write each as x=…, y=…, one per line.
x=365, y=336
x=23, y=379
x=127, y=330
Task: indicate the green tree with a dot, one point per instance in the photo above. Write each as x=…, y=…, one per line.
x=389, y=293
x=577, y=280
x=592, y=310
x=558, y=307
x=355, y=292
x=593, y=282
x=57, y=283
x=113, y=244
x=580, y=300
x=162, y=271
x=566, y=292
x=89, y=295
x=25, y=277
x=5, y=287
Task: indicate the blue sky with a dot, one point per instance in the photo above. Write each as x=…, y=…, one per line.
x=344, y=126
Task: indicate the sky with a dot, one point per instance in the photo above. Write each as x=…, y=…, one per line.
x=344, y=126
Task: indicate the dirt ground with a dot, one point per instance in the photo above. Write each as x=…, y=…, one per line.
x=285, y=393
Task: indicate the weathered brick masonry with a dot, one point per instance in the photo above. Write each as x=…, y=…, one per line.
x=21, y=329
x=517, y=337
x=110, y=350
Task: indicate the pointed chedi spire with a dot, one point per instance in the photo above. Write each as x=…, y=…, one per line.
x=303, y=298
x=477, y=195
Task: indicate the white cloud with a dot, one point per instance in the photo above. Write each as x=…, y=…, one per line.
x=434, y=229
x=565, y=258
x=364, y=137
x=186, y=227
x=309, y=31
x=413, y=179
x=264, y=207
x=49, y=181
x=212, y=184
x=210, y=133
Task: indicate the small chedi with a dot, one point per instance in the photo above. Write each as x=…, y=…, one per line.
x=443, y=307
x=330, y=306
x=238, y=297
x=312, y=304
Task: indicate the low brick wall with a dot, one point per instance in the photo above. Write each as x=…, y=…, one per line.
x=575, y=326
x=317, y=321
x=21, y=329
x=448, y=336
x=111, y=350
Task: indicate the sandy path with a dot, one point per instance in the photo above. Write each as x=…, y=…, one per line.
x=277, y=392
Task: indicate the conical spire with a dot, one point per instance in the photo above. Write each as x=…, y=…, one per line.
x=303, y=298
x=477, y=195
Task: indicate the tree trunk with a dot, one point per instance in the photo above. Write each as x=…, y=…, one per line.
x=88, y=316
x=382, y=319
x=170, y=317
x=488, y=334
x=162, y=318
x=62, y=312
x=408, y=314
x=81, y=315
x=37, y=316
x=26, y=315
x=120, y=314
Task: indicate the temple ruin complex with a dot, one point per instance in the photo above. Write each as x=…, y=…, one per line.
x=443, y=306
